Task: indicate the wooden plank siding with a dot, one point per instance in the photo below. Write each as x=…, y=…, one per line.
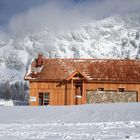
x=57, y=92
x=63, y=94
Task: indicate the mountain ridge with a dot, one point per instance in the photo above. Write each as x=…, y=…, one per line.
x=116, y=37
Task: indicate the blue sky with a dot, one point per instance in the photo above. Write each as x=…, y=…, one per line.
x=9, y=8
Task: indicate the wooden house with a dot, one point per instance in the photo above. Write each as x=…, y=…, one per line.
x=81, y=81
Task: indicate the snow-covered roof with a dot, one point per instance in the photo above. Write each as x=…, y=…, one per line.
x=93, y=69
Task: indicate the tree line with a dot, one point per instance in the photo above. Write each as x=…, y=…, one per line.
x=18, y=91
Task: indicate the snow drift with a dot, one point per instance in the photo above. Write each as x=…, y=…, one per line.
x=85, y=122
x=72, y=114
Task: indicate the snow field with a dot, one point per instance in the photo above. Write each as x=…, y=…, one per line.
x=84, y=122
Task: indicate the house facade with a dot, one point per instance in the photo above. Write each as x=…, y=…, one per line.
x=82, y=81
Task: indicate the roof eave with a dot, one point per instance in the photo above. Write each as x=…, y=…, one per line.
x=75, y=72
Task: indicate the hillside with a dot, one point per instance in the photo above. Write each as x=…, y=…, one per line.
x=113, y=37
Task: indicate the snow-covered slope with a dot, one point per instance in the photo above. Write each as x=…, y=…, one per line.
x=90, y=113
x=113, y=37
x=85, y=122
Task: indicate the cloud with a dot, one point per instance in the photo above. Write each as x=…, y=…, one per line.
x=66, y=14
x=53, y=14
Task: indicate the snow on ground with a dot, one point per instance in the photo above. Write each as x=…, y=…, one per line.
x=6, y=103
x=85, y=122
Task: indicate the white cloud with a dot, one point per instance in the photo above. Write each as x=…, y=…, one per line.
x=63, y=14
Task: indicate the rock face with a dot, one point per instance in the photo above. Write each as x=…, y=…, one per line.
x=113, y=37
x=111, y=96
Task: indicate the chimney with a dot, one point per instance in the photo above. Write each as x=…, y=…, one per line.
x=40, y=60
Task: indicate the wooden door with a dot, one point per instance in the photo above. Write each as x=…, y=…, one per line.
x=78, y=93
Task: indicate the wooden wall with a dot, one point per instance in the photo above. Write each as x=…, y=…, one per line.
x=57, y=92
x=62, y=94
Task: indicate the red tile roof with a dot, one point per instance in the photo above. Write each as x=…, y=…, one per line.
x=92, y=69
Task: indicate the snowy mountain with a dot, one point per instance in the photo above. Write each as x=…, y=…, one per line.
x=113, y=37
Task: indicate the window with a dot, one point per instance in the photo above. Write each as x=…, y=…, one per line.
x=44, y=98
x=100, y=89
x=121, y=89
